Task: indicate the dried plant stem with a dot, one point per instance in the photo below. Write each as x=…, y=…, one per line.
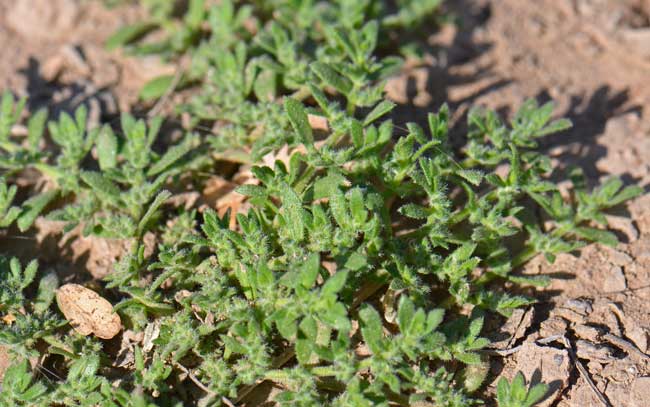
x=202, y=386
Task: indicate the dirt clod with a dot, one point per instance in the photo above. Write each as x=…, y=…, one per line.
x=44, y=19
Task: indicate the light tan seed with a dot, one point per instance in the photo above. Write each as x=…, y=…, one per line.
x=87, y=311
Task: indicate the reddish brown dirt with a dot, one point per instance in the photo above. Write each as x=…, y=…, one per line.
x=592, y=57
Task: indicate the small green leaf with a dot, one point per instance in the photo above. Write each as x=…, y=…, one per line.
x=32, y=208
x=172, y=155
x=265, y=276
x=475, y=375
x=292, y=211
x=265, y=86
x=555, y=127
x=102, y=186
x=195, y=13
x=254, y=191
x=434, y=319
x=29, y=273
x=372, y=329
x=334, y=284
x=309, y=327
x=107, y=148
x=536, y=394
x=129, y=33
x=468, y=358
x=355, y=262
x=384, y=107
x=475, y=327
x=156, y=88
x=286, y=324
x=414, y=211
x=518, y=389
x=597, y=235
x=152, y=209
x=405, y=313
x=35, y=128
x=332, y=78
x=46, y=291
x=304, y=349
x=503, y=392
x=299, y=120
x=474, y=177
x=326, y=186
x=629, y=192
x=309, y=270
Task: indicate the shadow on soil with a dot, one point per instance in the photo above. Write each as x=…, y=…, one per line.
x=462, y=49
x=57, y=97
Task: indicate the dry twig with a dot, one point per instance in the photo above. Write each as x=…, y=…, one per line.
x=202, y=386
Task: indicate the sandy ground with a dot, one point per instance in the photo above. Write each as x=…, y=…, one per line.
x=592, y=57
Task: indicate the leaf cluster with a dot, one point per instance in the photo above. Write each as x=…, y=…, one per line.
x=246, y=55
x=115, y=181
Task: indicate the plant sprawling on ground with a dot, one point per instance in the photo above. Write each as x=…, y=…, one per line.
x=362, y=272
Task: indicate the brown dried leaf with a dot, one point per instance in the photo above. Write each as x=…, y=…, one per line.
x=87, y=311
x=9, y=319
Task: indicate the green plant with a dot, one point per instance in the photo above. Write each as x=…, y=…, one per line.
x=17, y=386
x=8, y=212
x=120, y=200
x=516, y=394
x=14, y=154
x=245, y=56
x=375, y=207
x=366, y=264
x=29, y=319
